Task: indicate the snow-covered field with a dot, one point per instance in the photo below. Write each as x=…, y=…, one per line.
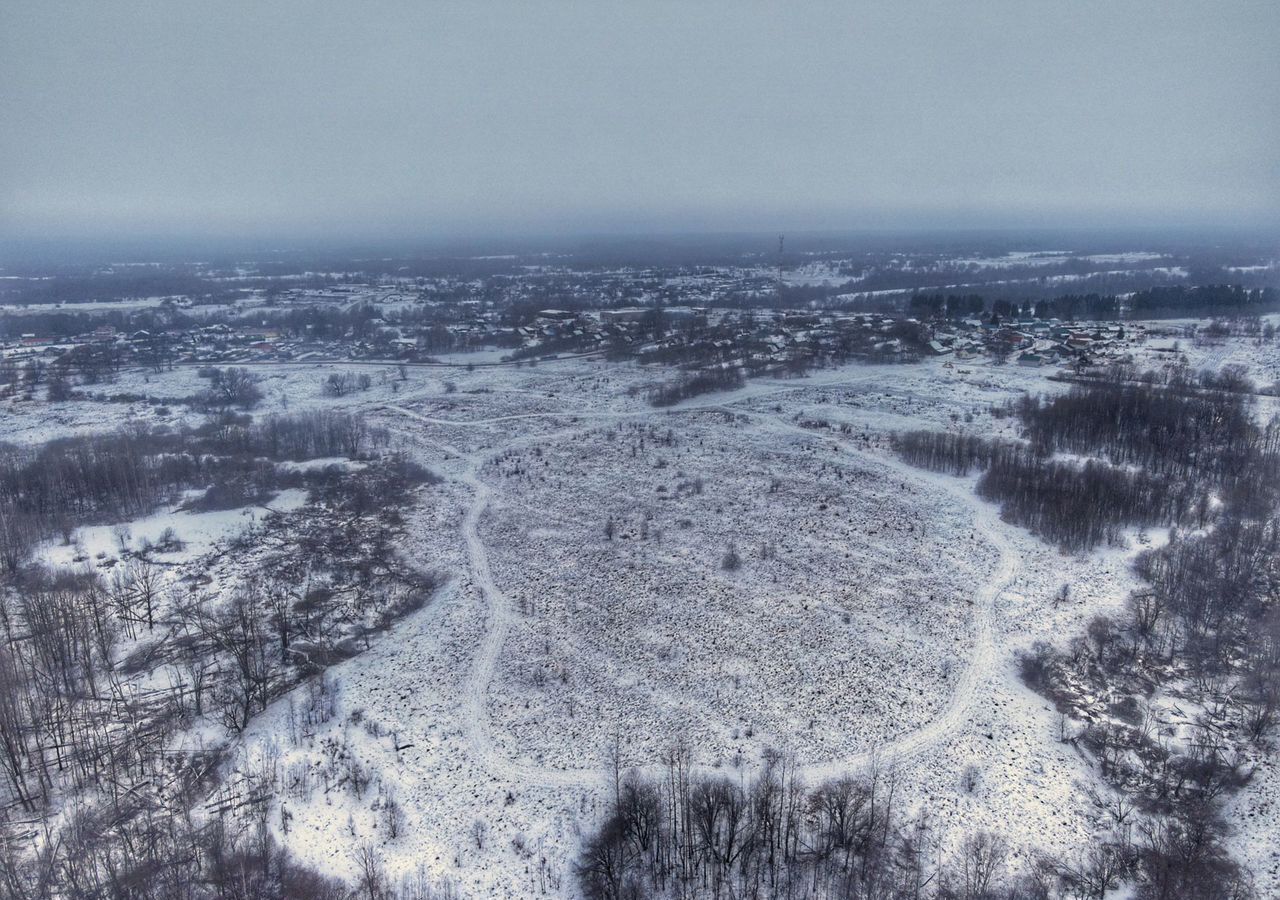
x=874, y=617
x=871, y=613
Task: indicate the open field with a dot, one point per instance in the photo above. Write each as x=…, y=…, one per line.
x=872, y=620
x=747, y=572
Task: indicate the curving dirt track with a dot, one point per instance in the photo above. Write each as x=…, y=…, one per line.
x=968, y=686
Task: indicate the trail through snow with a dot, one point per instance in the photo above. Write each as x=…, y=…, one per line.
x=968, y=686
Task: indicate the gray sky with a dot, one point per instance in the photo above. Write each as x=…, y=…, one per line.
x=332, y=118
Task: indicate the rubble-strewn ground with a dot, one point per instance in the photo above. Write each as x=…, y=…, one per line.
x=857, y=572
x=873, y=616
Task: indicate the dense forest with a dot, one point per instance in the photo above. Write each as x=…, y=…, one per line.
x=1149, y=303
x=1146, y=449
x=1202, y=300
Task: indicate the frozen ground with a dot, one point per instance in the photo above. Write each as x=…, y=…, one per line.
x=199, y=532
x=874, y=617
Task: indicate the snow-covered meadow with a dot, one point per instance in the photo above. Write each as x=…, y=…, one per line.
x=750, y=570
x=872, y=617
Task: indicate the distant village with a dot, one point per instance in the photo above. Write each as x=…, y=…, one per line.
x=376, y=324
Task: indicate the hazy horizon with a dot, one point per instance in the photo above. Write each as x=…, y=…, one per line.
x=659, y=247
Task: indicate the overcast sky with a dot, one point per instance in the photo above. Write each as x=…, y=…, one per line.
x=343, y=118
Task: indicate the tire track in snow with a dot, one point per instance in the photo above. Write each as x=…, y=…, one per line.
x=968, y=687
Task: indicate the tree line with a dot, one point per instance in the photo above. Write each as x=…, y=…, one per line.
x=1149, y=449
x=1177, y=425
x=51, y=488
x=684, y=835
x=1151, y=302
x=692, y=385
x=1202, y=300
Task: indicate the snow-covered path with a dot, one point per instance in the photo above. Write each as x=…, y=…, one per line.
x=982, y=653
x=968, y=688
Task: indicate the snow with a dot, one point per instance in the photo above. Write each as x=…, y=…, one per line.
x=882, y=624
x=552, y=640
x=1253, y=813
x=199, y=532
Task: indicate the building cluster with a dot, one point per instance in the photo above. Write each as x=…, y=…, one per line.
x=1035, y=342
x=208, y=343
x=408, y=326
